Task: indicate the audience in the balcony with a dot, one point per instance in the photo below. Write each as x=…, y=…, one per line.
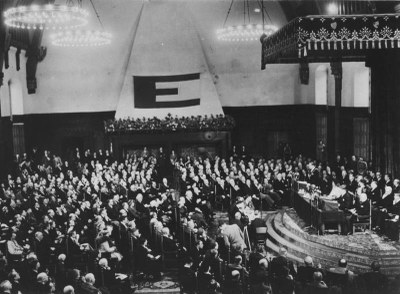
x=170, y=123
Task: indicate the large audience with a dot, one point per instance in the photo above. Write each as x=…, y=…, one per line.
x=89, y=224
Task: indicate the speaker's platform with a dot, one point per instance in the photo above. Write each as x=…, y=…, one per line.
x=286, y=228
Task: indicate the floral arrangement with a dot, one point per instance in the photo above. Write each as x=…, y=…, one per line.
x=171, y=123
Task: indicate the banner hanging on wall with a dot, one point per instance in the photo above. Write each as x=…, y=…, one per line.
x=167, y=91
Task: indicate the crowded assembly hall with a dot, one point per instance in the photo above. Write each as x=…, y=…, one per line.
x=210, y=146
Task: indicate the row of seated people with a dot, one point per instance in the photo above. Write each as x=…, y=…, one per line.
x=364, y=197
x=84, y=213
x=171, y=123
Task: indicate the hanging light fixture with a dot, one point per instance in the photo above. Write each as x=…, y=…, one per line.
x=79, y=38
x=82, y=38
x=49, y=16
x=247, y=31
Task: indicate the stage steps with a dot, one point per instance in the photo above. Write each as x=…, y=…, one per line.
x=301, y=244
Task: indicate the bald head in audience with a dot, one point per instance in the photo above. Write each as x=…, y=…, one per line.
x=68, y=290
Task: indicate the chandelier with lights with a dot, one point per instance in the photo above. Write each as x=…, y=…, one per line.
x=79, y=38
x=82, y=38
x=49, y=16
x=246, y=31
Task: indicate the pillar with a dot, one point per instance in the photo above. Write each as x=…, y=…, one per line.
x=337, y=72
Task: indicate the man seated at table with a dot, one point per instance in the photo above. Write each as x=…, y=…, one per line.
x=392, y=215
x=389, y=211
x=359, y=212
x=346, y=201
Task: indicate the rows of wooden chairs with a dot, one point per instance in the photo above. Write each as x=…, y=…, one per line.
x=169, y=258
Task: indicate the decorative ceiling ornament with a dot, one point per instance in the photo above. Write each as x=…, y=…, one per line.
x=350, y=36
x=246, y=31
x=49, y=16
x=82, y=38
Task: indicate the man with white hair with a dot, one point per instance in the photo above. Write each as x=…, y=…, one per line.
x=43, y=283
x=189, y=202
x=305, y=272
x=68, y=290
x=5, y=287
x=88, y=285
x=41, y=248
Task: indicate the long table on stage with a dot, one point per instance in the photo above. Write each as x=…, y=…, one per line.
x=308, y=210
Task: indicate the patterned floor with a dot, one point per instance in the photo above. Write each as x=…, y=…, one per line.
x=167, y=284
x=366, y=241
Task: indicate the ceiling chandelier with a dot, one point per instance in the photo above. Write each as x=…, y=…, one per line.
x=82, y=38
x=48, y=16
x=79, y=38
x=247, y=31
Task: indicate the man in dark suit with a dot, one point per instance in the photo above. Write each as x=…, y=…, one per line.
x=388, y=180
x=352, y=184
x=41, y=248
x=396, y=186
x=360, y=211
x=279, y=265
x=282, y=273
x=374, y=282
x=314, y=175
x=189, y=201
x=187, y=277
x=305, y=273
x=375, y=193
x=346, y=201
x=88, y=285
x=197, y=254
x=380, y=181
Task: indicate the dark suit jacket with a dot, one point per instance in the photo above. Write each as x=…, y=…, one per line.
x=375, y=195
x=346, y=202
x=197, y=257
x=169, y=245
x=387, y=201
x=375, y=282
x=305, y=274
x=187, y=278
x=395, y=209
x=363, y=208
x=315, y=178
x=42, y=250
x=352, y=186
x=278, y=264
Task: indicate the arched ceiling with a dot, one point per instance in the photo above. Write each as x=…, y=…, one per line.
x=91, y=79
